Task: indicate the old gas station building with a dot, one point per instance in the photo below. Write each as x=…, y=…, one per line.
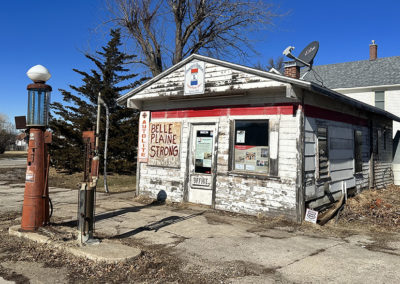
x=249, y=141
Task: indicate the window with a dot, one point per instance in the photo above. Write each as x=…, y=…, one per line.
x=251, y=147
x=357, y=151
x=322, y=136
x=380, y=99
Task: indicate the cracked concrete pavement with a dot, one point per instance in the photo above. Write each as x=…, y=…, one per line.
x=209, y=240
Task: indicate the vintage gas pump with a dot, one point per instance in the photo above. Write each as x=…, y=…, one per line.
x=35, y=210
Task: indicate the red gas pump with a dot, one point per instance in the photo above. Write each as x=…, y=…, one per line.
x=35, y=210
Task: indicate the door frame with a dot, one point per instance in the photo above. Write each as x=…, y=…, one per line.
x=214, y=165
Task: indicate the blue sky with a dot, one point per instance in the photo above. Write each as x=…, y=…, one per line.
x=57, y=33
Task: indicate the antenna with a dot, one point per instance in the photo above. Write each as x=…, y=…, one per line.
x=306, y=56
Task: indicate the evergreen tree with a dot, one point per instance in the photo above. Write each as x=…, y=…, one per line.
x=78, y=113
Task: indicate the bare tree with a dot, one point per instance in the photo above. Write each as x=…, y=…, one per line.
x=277, y=63
x=7, y=133
x=173, y=29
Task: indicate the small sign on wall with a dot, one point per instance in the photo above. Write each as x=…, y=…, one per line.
x=164, y=144
x=201, y=181
x=144, y=124
x=194, y=78
x=311, y=216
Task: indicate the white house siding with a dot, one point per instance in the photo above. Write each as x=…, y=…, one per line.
x=392, y=101
x=392, y=104
x=367, y=97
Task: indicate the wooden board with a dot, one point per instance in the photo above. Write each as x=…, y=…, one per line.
x=164, y=144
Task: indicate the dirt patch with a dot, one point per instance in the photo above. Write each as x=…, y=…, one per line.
x=213, y=219
x=11, y=176
x=13, y=155
x=373, y=210
x=116, y=183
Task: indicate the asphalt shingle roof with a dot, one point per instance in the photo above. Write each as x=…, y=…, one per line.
x=382, y=71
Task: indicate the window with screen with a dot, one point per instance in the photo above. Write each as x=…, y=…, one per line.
x=357, y=151
x=380, y=99
x=322, y=136
x=251, y=148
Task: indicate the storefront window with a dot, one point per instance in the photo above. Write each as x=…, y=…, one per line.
x=251, y=148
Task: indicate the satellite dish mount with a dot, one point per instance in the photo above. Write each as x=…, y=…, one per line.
x=306, y=57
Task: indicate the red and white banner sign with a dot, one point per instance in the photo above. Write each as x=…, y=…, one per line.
x=144, y=123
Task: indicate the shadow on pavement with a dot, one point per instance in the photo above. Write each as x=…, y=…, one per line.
x=107, y=215
x=157, y=225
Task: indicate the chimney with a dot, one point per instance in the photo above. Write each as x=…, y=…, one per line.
x=373, y=51
x=292, y=70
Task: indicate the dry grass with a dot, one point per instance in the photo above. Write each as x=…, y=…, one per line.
x=373, y=209
x=116, y=182
x=13, y=155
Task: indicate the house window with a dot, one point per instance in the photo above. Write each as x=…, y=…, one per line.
x=380, y=99
x=251, y=147
x=357, y=151
x=322, y=136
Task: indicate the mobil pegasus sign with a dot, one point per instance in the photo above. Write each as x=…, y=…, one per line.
x=194, y=78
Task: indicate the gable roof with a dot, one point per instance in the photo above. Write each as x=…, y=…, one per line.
x=311, y=86
x=265, y=74
x=363, y=73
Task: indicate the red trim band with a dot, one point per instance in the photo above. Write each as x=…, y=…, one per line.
x=321, y=113
x=285, y=109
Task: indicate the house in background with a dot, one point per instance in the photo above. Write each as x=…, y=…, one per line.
x=375, y=81
x=243, y=140
x=21, y=142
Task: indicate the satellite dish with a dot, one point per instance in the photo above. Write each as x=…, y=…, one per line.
x=306, y=57
x=308, y=53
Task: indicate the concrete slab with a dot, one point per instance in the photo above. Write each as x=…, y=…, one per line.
x=345, y=264
x=37, y=272
x=3, y=281
x=106, y=251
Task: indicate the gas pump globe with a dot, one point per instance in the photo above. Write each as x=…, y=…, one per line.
x=38, y=97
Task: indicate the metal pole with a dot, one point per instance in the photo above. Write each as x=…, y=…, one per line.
x=98, y=125
x=106, y=146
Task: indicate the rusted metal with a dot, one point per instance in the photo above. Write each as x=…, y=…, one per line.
x=41, y=86
x=20, y=122
x=33, y=206
x=87, y=191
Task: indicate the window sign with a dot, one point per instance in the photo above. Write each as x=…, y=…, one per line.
x=203, y=151
x=251, y=148
x=240, y=136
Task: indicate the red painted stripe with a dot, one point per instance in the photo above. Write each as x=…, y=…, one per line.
x=284, y=109
x=195, y=70
x=243, y=147
x=317, y=112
